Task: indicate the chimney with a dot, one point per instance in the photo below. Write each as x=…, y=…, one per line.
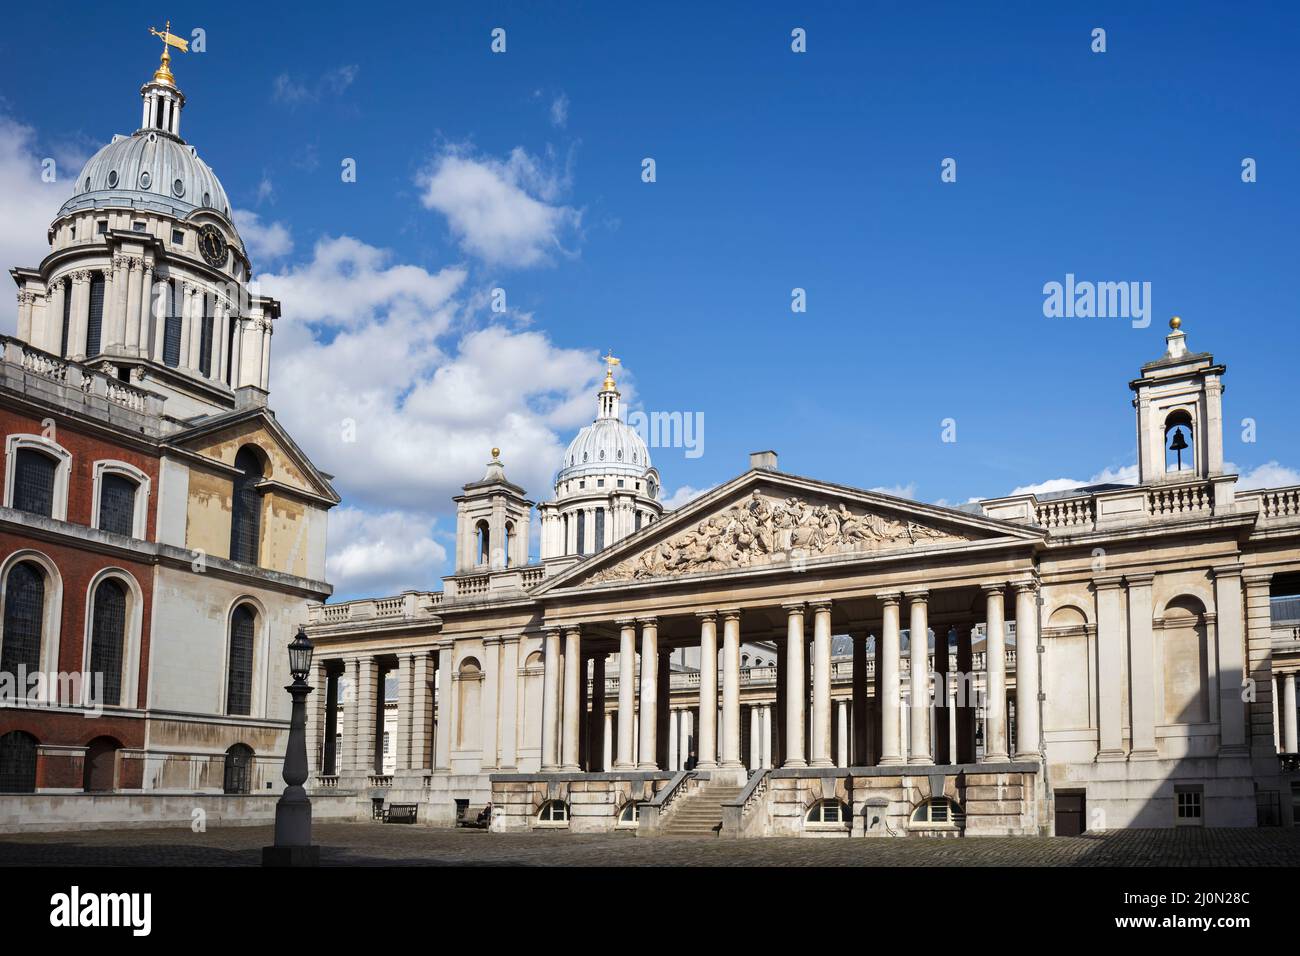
x=765, y=460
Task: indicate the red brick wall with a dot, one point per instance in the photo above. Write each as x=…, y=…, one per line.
x=86, y=449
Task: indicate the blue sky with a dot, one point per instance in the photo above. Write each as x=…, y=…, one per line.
x=775, y=170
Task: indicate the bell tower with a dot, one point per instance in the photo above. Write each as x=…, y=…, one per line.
x=492, y=518
x=1179, y=402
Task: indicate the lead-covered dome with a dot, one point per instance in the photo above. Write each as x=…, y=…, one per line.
x=151, y=170
x=607, y=446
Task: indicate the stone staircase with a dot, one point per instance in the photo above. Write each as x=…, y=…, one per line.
x=700, y=813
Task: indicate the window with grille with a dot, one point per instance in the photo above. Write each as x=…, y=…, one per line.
x=582, y=532
x=205, y=345
x=17, y=763
x=108, y=638
x=1188, y=806
x=637, y=522
x=553, y=811
x=95, y=322
x=939, y=812
x=172, y=326
x=230, y=350
x=117, y=504
x=34, y=473
x=239, y=769
x=600, y=528
x=828, y=811
x=24, y=617
x=239, y=680
x=245, y=517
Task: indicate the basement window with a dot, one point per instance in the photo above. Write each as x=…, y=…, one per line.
x=828, y=812
x=554, y=813
x=1188, y=803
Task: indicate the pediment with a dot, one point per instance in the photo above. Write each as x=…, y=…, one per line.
x=764, y=520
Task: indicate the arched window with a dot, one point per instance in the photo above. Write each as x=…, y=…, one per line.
x=108, y=638
x=505, y=545
x=828, y=811
x=17, y=763
x=483, y=542
x=1180, y=450
x=246, y=507
x=99, y=772
x=239, y=671
x=95, y=320
x=117, y=504
x=24, y=618
x=238, y=777
x=553, y=812
x=938, y=812
x=34, y=481
x=630, y=815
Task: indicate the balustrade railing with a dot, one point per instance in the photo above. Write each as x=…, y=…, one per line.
x=1066, y=513
x=1179, y=500
x=1279, y=502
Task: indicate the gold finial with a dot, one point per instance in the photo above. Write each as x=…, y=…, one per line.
x=496, y=453
x=164, y=72
x=1175, y=323
x=610, y=362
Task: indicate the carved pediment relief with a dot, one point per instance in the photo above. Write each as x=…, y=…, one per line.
x=764, y=530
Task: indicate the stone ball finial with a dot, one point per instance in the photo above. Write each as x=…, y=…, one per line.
x=496, y=452
x=1175, y=323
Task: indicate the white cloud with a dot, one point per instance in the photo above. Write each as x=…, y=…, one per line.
x=27, y=204
x=899, y=491
x=264, y=241
x=1126, y=475
x=293, y=91
x=382, y=553
x=1268, y=475
x=502, y=212
x=560, y=111
x=684, y=495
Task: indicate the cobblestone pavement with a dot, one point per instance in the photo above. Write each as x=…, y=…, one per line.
x=376, y=844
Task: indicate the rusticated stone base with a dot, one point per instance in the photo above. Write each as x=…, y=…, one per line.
x=595, y=800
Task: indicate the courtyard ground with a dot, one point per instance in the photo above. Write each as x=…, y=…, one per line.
x=377, y=844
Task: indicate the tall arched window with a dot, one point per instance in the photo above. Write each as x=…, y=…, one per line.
x=34, y=480
x=17, y=763
x=117, y=504
x=505, y=545
x=239, y=668
x=108, y=638
x=95, y=321
x=24, y=615
x=246, y=507
x=483, y=542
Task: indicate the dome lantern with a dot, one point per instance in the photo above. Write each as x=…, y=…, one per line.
x=163, y=101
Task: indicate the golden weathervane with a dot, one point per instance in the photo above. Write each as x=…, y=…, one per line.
x=164, y=73
x=610, y=362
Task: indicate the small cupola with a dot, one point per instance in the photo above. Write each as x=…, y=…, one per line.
x=163, y=100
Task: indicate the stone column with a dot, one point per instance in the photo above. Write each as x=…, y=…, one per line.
x=551, y=701
x=626, y=759
x=573, y=676
x=363, y=698
x=755, y=736
x=54, y=318
x=674, y=740
x=607, y=737
x=820, y=737
x=995, y=681
x=795, y=693
x=1110, y=668
x=1288, y=713
x=126, y=292
x=942, y=709
x=405, y=706
x=509, y=707
x=887, y=681
x=597, y=741
x=842, y=757
x=861, y=711
x=219, y=322
x=490, y=702
x=688, y=732
x=649, y=691
x=707, y=746
x=79, y=319
x=421, y=710
x=1230, y=624
x=731, y=690
x=765, y=761
x=1141, y=670
x=919, y=637
x=442, y=723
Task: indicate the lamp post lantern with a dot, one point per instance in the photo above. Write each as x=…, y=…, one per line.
x=293, y=845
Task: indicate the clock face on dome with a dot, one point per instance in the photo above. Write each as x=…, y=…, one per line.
x=212, y=245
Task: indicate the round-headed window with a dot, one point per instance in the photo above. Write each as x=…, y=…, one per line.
x=553, y=811
x=828, y=811
x=938, y=812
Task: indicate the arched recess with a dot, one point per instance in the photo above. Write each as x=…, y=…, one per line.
x=99, y=769
x=18, y=629
x=1180, y=442
x=482, y=543
x=530, y=724
x=1067, y=670
x=1183, y=652
x=101, y=618
x=469, y=696
x=237, y=777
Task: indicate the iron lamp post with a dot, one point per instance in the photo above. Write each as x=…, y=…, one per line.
x=293, y=846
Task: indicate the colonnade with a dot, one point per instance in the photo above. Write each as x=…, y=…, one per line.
x=940, y=727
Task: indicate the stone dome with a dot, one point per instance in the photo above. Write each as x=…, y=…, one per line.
x=608, y=446
x=150, y=169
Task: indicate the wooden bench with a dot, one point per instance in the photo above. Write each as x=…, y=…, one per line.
x=400, y=813
x=476, y=820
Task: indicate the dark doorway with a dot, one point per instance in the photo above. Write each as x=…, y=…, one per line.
x=239, y=769
x=1071, y=812
x=17, y=763
x=99, y=772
